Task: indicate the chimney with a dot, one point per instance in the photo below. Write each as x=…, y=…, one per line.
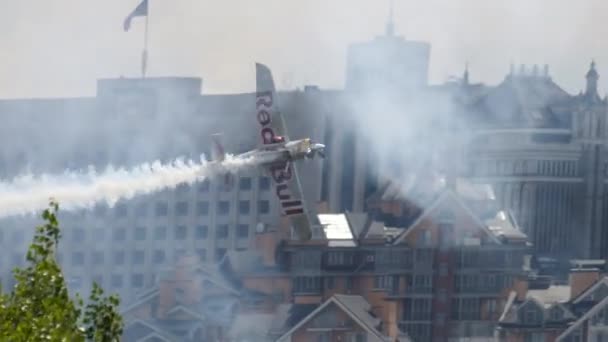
x=582, y=279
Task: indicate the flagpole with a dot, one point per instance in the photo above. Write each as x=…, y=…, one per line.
x=144, y=56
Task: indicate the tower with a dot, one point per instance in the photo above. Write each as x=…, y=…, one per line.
x=589, y=127
x=390, y=24
x=592, y=77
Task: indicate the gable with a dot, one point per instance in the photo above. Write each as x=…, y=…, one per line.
x=330, y=317
x=136, y=331
x=152, y=338
x=530, y=313
x=447, y=221
x=341, y=313
x=182, y=313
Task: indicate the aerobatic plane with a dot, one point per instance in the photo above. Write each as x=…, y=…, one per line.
x=276, y=153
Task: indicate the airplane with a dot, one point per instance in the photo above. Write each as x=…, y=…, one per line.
x=276, y=153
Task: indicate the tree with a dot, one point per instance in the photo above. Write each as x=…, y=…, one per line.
x=39, y=307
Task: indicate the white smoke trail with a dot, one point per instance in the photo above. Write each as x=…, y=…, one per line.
x=76, y=190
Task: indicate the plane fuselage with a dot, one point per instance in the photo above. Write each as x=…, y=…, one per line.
x=284, y=152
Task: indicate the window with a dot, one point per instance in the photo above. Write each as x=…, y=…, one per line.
x=99, y=234
x=77, y=259
x=222, y=231
x=202, y=254
x=307, y=284
x=423, y=283
x=491, y=282
x=162, y=209
x=531, y=315
x=119, y=258
x=492, y=306
x=382, y=282
x=440, y=319
x=323, y=337
x=223, y=207
x=442, y=295
x=219, y=253
x=555, y=314
x=535, y=337
x=242, y=231
x=181, y=232
x=443, y=269
x=159, y=256
x=245, y=183
x=120, y=210
x=469, y=309
x=141, y=210
x=78, y=235
x=137, y=280
x=244, y=207
x=204, y=186
x=138, y=257
x=119, y=234
x=116, y=280
x=181, y=208
x=160, y=233
x=329, y=283
x=264, y=183
x=339, y=258
x=97, y=257
x=201, y=232
x=263, y=207
x=348, y=283
x=202, y=208
x=140, y=233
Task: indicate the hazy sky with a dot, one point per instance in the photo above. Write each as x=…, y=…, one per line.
x=60, y=47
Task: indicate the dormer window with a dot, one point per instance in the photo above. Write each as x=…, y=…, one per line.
x=555, y=314
x=531, y=314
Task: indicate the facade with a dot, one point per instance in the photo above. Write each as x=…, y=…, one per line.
x=129, y=122
x=544, y=156
x=572, y=312
x=446, y=278
x=540, y=148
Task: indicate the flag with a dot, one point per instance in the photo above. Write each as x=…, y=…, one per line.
x=140, y=11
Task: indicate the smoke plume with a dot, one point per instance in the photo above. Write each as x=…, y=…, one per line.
x=76, y=190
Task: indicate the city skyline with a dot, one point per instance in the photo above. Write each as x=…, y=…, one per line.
x=46, y=55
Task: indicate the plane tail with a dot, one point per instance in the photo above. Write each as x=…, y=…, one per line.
x=217, y=152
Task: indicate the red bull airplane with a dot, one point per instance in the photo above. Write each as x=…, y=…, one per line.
x=276, y=153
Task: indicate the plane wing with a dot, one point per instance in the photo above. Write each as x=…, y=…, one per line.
x=284, y=175
x=268, y=114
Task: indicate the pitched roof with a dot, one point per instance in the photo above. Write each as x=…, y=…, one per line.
x=359, y=307
x=524, y=101
x=447, y=193
x=550, y=296
x=355, y=306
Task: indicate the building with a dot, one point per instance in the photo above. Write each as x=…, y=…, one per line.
x=572, y=312
x=447, y=277
x=130, y=122
x=540, y=148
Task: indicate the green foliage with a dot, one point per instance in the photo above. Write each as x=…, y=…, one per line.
x=39, y=307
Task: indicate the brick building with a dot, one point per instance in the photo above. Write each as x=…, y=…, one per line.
x=572, y=312
x=445, y=277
